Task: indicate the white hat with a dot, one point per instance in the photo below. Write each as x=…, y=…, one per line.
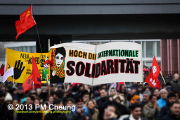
x=8, y=97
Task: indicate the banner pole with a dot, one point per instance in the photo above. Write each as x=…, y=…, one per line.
x=94, y=63
x=142, y=61
x=13, y=77
x=162, y=77
x=48, y=84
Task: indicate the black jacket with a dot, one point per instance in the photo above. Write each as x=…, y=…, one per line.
x=55, y=116
x=164, y=110
x=3, y=111
x=29, y=116
x=102, y=104
x=121, y=108
x=169, y=117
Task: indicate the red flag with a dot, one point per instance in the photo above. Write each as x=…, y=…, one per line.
x=152, y=81
x=120, y=85
x=35, y=76
x=155, y=68
x=28, y=84
x=2, y=70
x=26, y=21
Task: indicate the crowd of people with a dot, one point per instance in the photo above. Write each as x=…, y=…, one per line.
x=112, y=101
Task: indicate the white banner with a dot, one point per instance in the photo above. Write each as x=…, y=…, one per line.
x=8, y=73
x=96, y=64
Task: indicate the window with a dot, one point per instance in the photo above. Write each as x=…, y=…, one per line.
x=150, y=48
x=158, y=49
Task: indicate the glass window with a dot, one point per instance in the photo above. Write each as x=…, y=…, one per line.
x=150, y=48
x=143, y=49
x=158, y=48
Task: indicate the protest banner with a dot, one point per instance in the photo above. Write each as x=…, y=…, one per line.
x=22, y=64
x=96, y=64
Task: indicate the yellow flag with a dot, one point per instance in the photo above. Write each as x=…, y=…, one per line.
x=22, y=64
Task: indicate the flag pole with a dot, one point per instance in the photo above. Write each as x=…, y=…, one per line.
x=33, y=84
x=162, y=77
x=48, y=84
x=141, y=61
x=13, y=77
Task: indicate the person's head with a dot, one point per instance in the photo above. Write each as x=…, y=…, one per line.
x=135, y=111
x=57, y=102
x=20, y=90
x=59, y=56
x=156, y=92
x=85, y=97
x=70, y=102
x=15, y=102
x=175, y=108
x=135, y=99
x=146, y=95
x=176, y=77
x=103, y=92
x=38, y=91
x=169, y=89
x=153, y=98
x=112, y=91
x=119, y=98
x=79, y=102
x=134, y=83
x=146, y=85
x=177, y=95
x=90, y=104
x=171, y=97
x=30, y=100
x=163, y=93
x=44, y=90
x=111, y=110
x=8, y=98
x=37, y=101
x=134, y=90
x=140, y=87
x=51, y=99
x=122, y=88
x=104, y=86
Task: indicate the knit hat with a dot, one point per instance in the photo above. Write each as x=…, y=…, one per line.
x=23, y=100
x=8, y=97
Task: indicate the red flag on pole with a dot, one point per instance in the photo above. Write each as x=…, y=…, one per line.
x=153, y=82
x=34, y=77
x=155, y=68
x=26, y=21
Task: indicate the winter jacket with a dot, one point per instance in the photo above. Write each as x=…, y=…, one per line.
x=3, y=111
x=176, y=86
x=121, y=108
x=102, y=104
x=164, y=110
x=149, y=112
x=161, y=102
x=29, y=116
x=95, y=115
x=77, y=116
x=55, y=116
x=169, y=117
